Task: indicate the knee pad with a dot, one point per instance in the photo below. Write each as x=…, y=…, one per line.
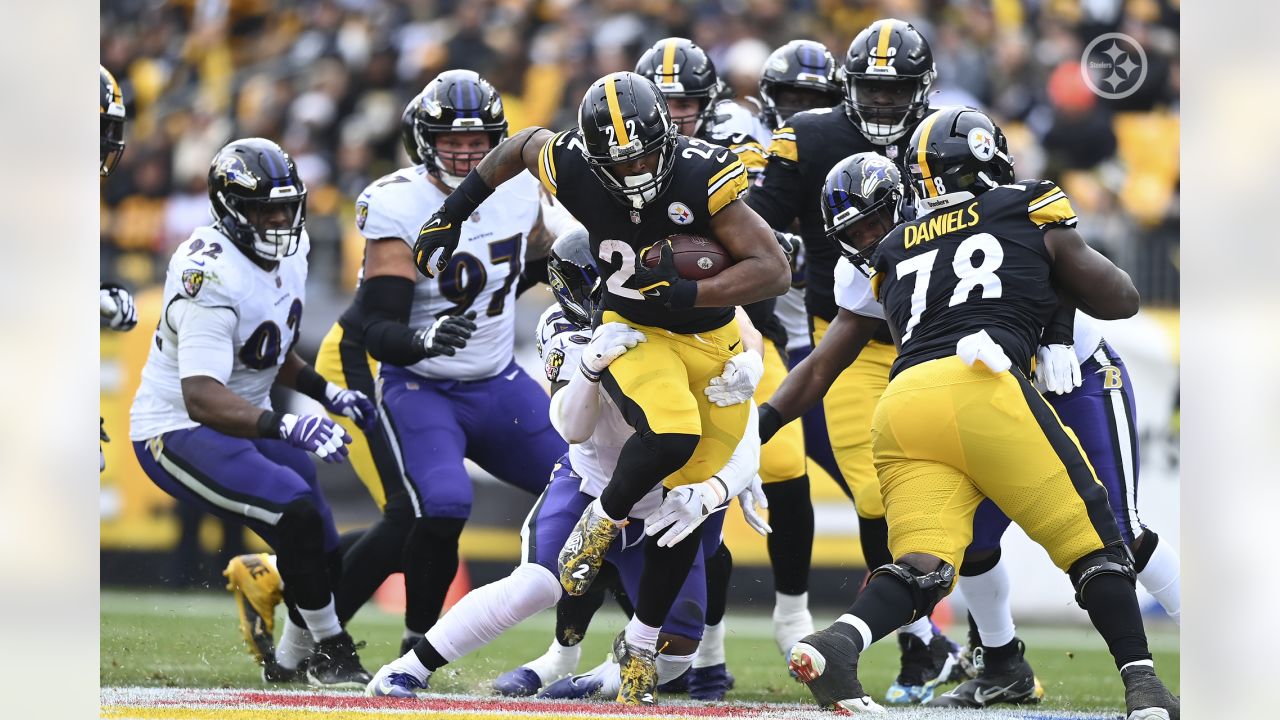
x=1110, y=560
x=982, y=562
x=927, y=589
x=300, y=533
x=1143, y=554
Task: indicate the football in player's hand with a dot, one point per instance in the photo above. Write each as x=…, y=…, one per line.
x=696, y=257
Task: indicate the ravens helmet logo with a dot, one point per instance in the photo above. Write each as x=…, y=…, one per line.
x=233, y=170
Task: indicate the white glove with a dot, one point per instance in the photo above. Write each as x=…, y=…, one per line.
x=748, y=499
x=608, y=343
x=738, y=382
x=1058, y=368
x=684, y=509
x=980, y=347
x=116, y=307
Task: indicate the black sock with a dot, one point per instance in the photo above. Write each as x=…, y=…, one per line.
x=1112, y=605
x=1002, y=654
x=1143, y=547
x=719, y=568
x=428, y=656
x=884, y=605
x=663, y=574
x=377, y=552
x=647, y=455
x=574, y=613
x=791, y=542
x=874, y=536
x=975, y=637
x=430, y=562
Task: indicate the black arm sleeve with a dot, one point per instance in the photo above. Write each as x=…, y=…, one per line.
x=534, y=272
x=777, y=200
x=385, y=302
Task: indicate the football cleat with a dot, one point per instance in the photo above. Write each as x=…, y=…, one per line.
x=709, y=683
x=390, y=682
x=336, y=665
x=255, y=584
x=574, y=687
x=827, y=662
x=583, y=552
x=788, y=629
x=676, y=686
x=521, y=682
x=924, y=667
x=639, y=672
x=1146, y=697
x=274, y=672
x=1011, y=682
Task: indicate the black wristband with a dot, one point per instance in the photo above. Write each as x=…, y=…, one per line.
x=311, y=383
x=683, y=296
x=466, y=197
x=770, y=422
x=269, y=424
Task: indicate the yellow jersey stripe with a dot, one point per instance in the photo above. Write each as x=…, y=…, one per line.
x=547, y=165
x=611, y=97
x=722, y=173
x=925, y=177
x=731, y=188
x=783, y=144
x=882, y=44
x=1058, y=212
x=668, y=61
x=1045, y=196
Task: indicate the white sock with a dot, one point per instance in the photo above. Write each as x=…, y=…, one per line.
x=409, y=663
x=1149, y=663
x=671, y=667
x=322, y=623
x=1161, y=578
x=711, y=649
x=858, y=624
x=642, y=636
x=557, y=662
x=988, y=598
x=295, y=644
x=785, y=605
x=921, y=628
x=609, y=673
x=486, y=612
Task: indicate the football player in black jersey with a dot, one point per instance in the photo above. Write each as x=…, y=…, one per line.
x=888, y=72
x=628, y=176
x=967, y=288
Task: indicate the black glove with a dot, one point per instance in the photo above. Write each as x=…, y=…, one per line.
x=438, y=233
x=789, y=243
x=447, y=335
x=662, y=282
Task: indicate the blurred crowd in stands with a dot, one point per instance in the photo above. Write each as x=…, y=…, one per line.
x=329, y=78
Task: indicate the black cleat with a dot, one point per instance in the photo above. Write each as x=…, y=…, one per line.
x=336, y=665
x=274, y=672
x=827, y=662
x=924, y=667
x=1146, y=697
x=1011, y=682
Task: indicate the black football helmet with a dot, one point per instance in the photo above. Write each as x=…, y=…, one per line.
x=957, y=150
x=249, y=180
x=623, y=117
x=861, y=202
x=888, y=72
x=682, y=69
x=111, y=118
x=456, y=101
x=802, y=65
x=575, y=280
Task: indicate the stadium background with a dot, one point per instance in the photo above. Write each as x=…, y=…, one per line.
x=328, y=79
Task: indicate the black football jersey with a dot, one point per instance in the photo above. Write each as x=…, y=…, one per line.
x=976, y=265
x=801, y=154
x=705, y=179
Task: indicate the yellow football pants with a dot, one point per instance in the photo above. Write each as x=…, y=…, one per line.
x=345, y=363
x=849, y=405
x=782, y=458
x=946, y=435
x=658, y=385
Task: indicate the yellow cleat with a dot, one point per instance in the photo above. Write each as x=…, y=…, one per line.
x=583, y=552
x=256, y=584
x=639, y=673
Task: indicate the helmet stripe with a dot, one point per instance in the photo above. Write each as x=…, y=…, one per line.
x=615, y=114
x=668, y=60
x=882, y=45
x=920, y=154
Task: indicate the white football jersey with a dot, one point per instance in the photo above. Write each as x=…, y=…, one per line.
x=853, y=291
x=789, y=309
x=209, y=270
x=1088, y=336
x=482, y=273
x=560, y=345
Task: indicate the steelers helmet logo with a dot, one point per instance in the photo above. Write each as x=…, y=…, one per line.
x=982, y=144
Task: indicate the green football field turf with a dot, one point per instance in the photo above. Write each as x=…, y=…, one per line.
x=192, y=640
